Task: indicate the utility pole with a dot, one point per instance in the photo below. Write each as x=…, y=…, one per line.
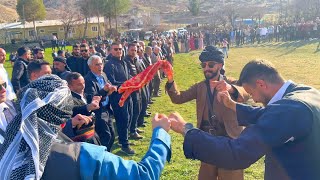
x=115, y=13
x=24, y=23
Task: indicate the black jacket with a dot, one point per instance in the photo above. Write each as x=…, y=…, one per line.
x=20, y=76
x=72, y=62
x=117, y=72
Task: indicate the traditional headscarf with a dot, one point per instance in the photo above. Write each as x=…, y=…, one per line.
x=44, y=106
x=212, y=53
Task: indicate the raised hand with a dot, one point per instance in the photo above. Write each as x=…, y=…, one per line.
x=110, y=88
x=225, y=98
x=94, y=105
x=223, y=86
x=177, y=122
x=161, y=120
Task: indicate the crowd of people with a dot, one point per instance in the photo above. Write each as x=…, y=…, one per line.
x=93, y=74
x=61, y=126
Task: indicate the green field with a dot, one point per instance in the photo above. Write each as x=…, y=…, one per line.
x=298, y=61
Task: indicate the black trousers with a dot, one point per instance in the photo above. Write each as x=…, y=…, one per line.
x=156, y=84
x=136, y=109
x=144, y=105
x=122, y=117
x=104, y=128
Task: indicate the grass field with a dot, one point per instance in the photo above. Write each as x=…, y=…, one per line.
x=298, y=61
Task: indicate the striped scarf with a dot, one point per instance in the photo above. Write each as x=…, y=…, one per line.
x=44, y=106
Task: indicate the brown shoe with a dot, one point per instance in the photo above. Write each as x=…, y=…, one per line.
x=135, y=136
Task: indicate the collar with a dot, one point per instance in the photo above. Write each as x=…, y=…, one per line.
x=77, y=94
x=96, y=75
x=280, y=93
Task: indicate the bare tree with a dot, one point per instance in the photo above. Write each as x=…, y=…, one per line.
x=69, y=15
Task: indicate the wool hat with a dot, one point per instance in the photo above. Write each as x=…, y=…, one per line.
x=212, y=53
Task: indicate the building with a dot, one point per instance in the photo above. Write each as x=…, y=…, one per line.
x=46, y=29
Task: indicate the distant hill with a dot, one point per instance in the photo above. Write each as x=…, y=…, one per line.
x=8, y=14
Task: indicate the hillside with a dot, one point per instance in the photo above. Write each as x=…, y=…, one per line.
x=172, y=11
x=8, y=14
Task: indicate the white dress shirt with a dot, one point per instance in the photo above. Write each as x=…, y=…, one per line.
x=278, y=96
x=280, y=92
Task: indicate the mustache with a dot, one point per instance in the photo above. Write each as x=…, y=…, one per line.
x=208, y=71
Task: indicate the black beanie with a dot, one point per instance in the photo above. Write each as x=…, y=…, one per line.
x=212, y=53
x=60, y=59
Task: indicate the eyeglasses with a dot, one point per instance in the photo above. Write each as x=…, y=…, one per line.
x=117, y=49
x=3, y=86
x=84, y=50
x=210, y=64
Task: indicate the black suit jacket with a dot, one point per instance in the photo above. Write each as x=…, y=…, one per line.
x=92, y=87
x=80, y=107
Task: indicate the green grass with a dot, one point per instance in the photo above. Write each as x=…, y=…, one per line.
x=298, y=61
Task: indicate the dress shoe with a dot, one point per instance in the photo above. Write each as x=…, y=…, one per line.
x=140, y=131
x=135, y=136
x=128, y=150
x=147, y=115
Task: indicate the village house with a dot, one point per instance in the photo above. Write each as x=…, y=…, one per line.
x=46, y=29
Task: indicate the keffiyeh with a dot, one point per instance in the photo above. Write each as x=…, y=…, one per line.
x=45, y=105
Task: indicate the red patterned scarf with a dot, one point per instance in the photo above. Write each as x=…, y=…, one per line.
x=143, y=78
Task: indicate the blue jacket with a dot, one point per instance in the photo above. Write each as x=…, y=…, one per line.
x=286, y=131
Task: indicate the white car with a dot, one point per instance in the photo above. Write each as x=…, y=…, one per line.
x=147, y=35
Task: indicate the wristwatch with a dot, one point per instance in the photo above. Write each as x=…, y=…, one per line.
x=187, y=127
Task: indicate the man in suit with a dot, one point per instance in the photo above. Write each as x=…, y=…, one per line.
x=97, y=84
x=212, y=117
x=286, y=130
x=19, y=71
x=82, y=65
x=84, y=134
x=157, y=79
x=117, y=72
x=134, y=67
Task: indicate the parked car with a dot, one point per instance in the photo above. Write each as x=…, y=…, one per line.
x=147, y=35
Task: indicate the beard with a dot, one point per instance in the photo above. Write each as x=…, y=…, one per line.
x=210, y=74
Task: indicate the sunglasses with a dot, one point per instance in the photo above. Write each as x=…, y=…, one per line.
x=210, y=64
x=117, y=49
x=3, y=86
x=85, y=50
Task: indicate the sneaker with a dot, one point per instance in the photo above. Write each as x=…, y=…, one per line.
x=140, y=131
x=135, y=136
x=128, y=150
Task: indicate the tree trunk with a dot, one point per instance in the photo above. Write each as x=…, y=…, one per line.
x=85, y=28
x=66, y=31
x=109, y=22
x=98, y=25
x=35, y=30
